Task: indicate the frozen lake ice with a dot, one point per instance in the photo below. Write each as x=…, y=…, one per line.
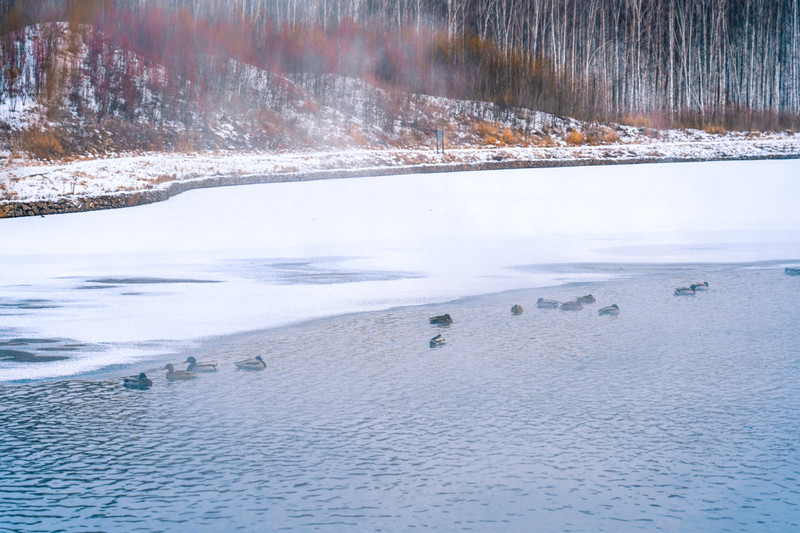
x=90, y=292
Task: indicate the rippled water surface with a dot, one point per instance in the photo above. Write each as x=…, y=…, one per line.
x=681, y=414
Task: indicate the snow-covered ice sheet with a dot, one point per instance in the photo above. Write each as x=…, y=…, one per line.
x=140, y=281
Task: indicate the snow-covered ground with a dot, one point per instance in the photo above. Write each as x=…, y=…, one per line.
x=26, y=181
x=136, y=281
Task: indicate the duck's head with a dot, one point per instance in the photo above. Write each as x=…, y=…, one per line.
x=142, y=376
x=258, y=358
x=191, y=360
x=169, y=367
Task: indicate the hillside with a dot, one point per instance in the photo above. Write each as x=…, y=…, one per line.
x=76, y=93
x=97, y=109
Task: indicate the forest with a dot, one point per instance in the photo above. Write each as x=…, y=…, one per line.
x=714, y=64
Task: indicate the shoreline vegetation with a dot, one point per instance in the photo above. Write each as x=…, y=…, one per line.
x=97, y=184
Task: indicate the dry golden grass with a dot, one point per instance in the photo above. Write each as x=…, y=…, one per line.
x=487, y=132
x=186, y=144
x=412, y=159
x=510, y=138
x=714, y=129
x=5, y=194
x=163, y=178
x=638, y=120
x=599, y=135
x=42, y=144
x=575, y=138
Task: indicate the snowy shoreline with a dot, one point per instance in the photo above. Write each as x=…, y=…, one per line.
x=137, y=180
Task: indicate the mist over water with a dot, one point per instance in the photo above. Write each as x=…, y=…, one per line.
x=679, y=414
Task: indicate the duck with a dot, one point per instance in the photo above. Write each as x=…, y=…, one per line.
x=571, y=306
x=541, y=303
x=702, y=286
x=441, y=319
x=588, y=299
x=517, y=309
x=252, y=364
x=684, y=291
x=173, y=374
x=612, y=309
x=140, y=382
x=438, y=340
x=194, y=366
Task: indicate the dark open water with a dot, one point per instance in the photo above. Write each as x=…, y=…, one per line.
x=681, y=414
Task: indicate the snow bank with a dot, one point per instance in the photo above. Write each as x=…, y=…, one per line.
x=216, y=261
x=21, y=181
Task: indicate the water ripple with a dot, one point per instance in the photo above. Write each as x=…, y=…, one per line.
x=679, y=414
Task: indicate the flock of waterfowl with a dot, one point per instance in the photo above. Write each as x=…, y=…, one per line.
x=194, y=367
x=572, y=305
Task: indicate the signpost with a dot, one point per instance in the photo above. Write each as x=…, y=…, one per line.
x=439, y=140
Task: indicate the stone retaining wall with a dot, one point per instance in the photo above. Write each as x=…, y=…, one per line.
x=128, y=199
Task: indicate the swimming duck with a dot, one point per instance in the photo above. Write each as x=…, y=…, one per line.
x=541, y=303
x=588, y=299
x=571, y=306
x=703, y=286
x=517, y=309
x=140, y=382
x=441, y=319
x=173, y=374
x=194, y=366
x=438, y=340
x=252, y=364
x=612, y=309
x=684, y=291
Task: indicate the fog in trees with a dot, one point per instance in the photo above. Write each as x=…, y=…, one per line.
x=732, y=63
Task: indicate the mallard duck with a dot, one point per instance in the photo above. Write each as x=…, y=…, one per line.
x=137, y=382
x=517, y=309
x=612, y=309
x=173, y=374
x=252, y=364
x=703, y=286
x=588, y=299
x=684, y=291
x=194, y=366
x=438, y=340
x=571, y=306
x=541, y=303
x=441, y=319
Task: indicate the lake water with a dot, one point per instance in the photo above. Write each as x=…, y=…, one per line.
x=680, y=414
